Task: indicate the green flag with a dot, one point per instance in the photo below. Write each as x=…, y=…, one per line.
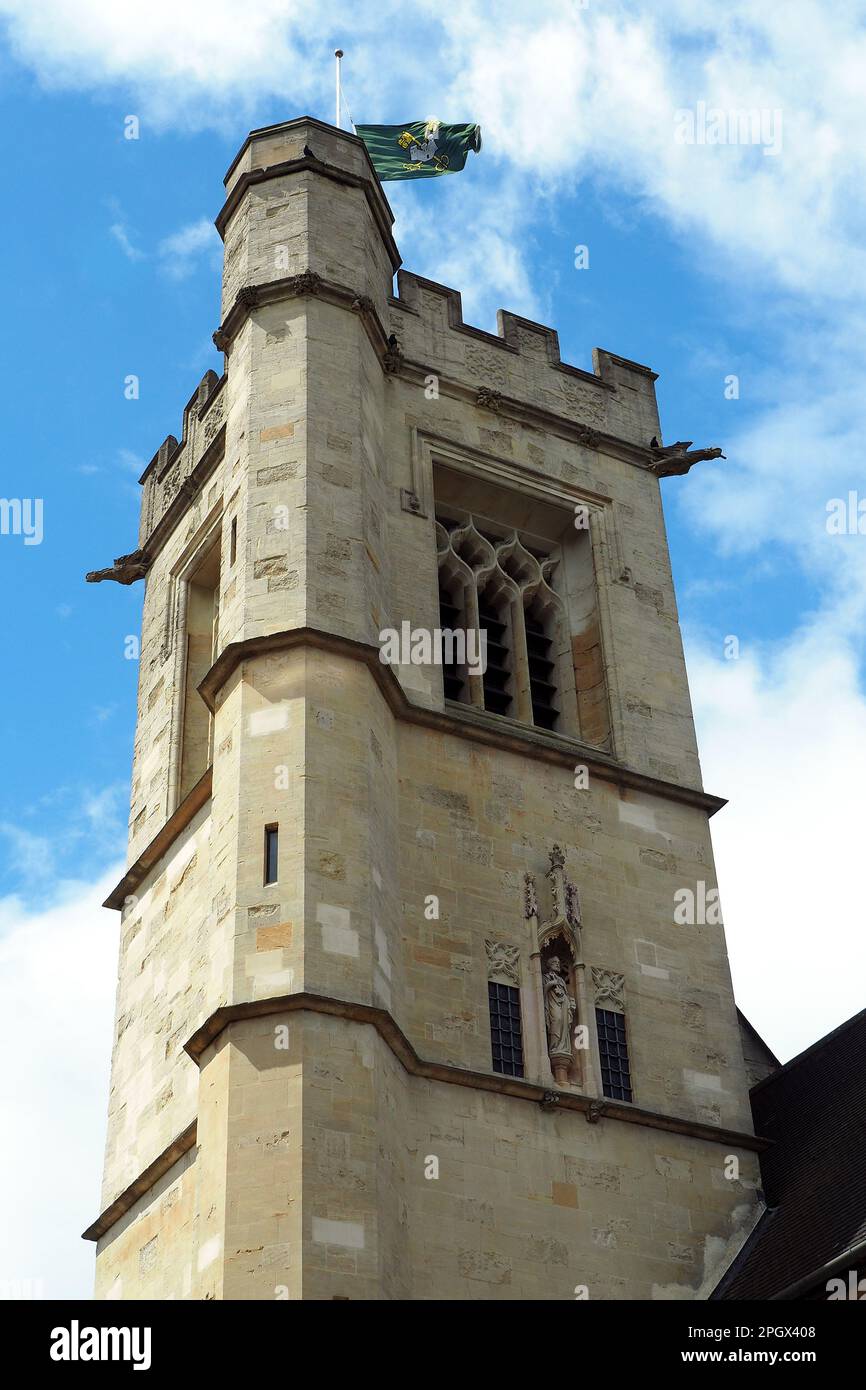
x=420, y=149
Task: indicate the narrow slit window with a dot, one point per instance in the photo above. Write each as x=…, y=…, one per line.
x=233, y=541
x=272, y=853
x=613, y=1054
x=506, y=1039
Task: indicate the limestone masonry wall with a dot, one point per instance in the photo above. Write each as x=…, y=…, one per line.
x=315, y=466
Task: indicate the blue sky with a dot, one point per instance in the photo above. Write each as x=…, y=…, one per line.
x=705, y=261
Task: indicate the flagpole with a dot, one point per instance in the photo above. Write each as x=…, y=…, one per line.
x=338, y=54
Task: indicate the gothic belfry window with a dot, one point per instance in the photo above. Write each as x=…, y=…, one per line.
x=523, y=569
x=505, y=584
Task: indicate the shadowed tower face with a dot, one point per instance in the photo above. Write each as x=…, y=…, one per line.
x=422, y=987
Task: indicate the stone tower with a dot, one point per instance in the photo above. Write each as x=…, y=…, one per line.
x=409, y=1005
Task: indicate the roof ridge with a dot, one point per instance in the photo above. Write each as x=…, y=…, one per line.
x=813, y=1047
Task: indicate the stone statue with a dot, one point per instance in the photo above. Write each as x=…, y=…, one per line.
x=559, y=1011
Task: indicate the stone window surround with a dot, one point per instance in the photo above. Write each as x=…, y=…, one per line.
x=191, y=556
x=428, y=450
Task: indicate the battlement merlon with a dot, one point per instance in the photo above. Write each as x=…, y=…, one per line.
x=279, y=246
x=276, y=241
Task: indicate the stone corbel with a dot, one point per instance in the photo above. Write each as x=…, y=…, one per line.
x=488, y=399
x=587, y=436
x=307, y=282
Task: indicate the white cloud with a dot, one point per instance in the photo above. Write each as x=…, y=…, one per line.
x=92, y=830
x=477, y=242
x=131, y=462
x=32, y=854
x=561, y=93
x=183, y=250
x=190, y=62
x=782, y=733
x=57, y=982
x=180, y=253
x=121, y=236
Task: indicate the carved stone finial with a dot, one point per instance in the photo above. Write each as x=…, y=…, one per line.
x=556, y=875
x=530, y=896
x=564, y=917
x=125, y=570
x=572, y=904
x=488, y=398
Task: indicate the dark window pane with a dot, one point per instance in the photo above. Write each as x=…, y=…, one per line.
x=613, y=1055
x=271, y=854
x=505, y=1035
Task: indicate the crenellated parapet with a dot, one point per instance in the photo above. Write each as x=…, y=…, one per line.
x=175, y=462
x=521, y=366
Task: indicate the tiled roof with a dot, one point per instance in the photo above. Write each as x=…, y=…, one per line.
x=814, y=1173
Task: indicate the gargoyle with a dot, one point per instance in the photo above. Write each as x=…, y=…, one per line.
x=675, y=459
x=125, y=570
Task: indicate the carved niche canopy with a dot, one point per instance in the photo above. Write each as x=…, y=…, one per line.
x=564, y=920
